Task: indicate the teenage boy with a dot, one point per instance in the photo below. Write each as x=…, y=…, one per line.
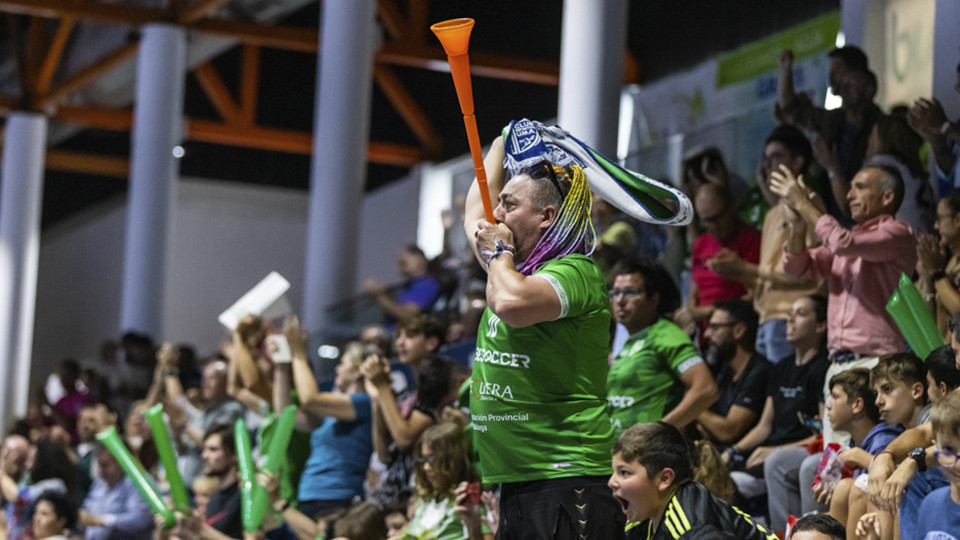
x=899, y=381
x=653, y=481
x=939, y=515
x=852, y=408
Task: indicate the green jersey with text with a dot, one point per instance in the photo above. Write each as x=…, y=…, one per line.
x=538, y=398
x=644, y=381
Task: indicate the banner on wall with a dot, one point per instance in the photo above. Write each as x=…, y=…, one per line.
x=732, y=95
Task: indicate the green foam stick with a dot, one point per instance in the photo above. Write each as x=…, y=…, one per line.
x=275, y=456
x=926, y=324
x=161, y=437
x=247, y=472
x=900, y=312
x=137, y=475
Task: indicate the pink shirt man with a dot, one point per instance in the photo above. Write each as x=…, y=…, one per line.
x=862, y=267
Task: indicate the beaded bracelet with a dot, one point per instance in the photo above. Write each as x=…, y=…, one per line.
x=500, y=250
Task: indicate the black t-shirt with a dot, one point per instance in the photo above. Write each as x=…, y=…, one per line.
x=223, y=511
x=749, y=391
x=795, y=389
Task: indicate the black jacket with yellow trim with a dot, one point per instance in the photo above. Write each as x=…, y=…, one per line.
x=695, y=513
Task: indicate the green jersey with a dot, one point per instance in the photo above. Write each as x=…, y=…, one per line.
x=538, y=394
x=644, y=381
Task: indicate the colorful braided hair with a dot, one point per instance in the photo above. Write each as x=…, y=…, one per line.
x=572, y=231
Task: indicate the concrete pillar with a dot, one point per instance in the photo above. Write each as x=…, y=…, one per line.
x=21, y=193
x=338, y=168
x=157, y=129
x=591, y=70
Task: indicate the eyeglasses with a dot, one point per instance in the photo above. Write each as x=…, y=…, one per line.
x=629, y=292
x=945, y=458
x=714, y=326
x=424, y=460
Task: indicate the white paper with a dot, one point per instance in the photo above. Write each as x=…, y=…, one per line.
x=266, y=300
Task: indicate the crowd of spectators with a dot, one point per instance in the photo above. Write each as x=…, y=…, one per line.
x=781, y=347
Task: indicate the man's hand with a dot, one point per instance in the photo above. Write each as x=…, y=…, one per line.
x=376, y=370
x=868, y=528
x=790, y=188
x=374, y=286
x=249, y=328
x=881, y=469
x=826, y=156
x=926, y=117
x=855, y=458
x=823, y=494
x=759, y=455
x=930, y=254
x=168, y=356
x=296, y=336
x=894, y=487
x=786, y=60
x=489, y=233
x=726, y=263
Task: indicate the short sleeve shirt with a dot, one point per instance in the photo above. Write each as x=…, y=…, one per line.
x=538, y=395
x=644, y=381
x=749, y=391
x=795, y=389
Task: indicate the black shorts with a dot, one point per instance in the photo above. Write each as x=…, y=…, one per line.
x=571, y=508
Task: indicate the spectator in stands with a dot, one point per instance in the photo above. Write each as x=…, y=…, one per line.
x=417, y=338
x=658, y=374
x=416, y=294
x=852, y=408
x=928, y=119
x=743, y=375
x=653, y=481
x=49, y=470
x=939, y=262
x=818, y=527
x=842, y=132
x=74, y=397
x=938, y=515
x=54, y=516
x=893, y=143
x=943, y=376
x=91, y=420
x=901, y=488
x=220, y=461
x=443, y=472
x=724, y=230
x=340, y=447
x=114, y=509
x=777, y=444
x=862, y=265
x=397, y=431
x=188, y=423
x=250, y=368
x=775, y=291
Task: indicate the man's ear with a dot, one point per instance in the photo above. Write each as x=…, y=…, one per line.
x=432, y=343
x=888, y=198
x=857, y=406
x=739, y=330
x=665, y=478
x=917, y=391
x=549, y=214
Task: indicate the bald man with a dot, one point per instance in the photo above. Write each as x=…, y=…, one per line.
x=717, y=213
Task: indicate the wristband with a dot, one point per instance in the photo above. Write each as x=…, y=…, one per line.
x=937, y=276
x=945, y=127
x=501, y=248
